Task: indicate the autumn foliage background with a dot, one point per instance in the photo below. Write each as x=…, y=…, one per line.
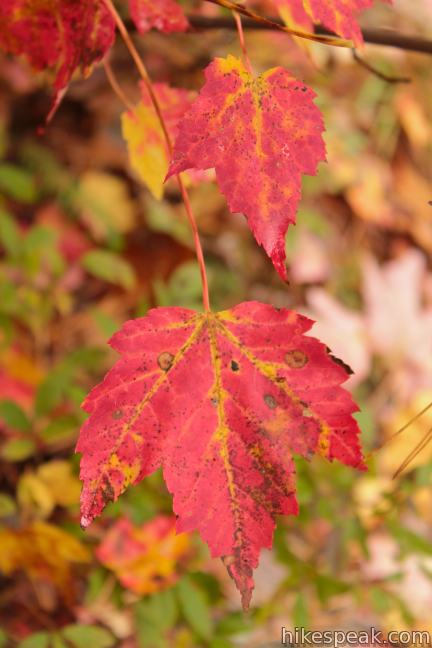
x=84, y=247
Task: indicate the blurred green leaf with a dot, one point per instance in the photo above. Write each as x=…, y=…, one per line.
x=409, y=541
x=37, y=640
x=51, y=391
x=327, y=586
x=61, y=427
x=154, y=616
x=10, y=236
x=87, y=636
x=183, y=288
x=194, y=607
x=107, y=324
x=110, y=267
x=14, y=417
x=17, y=183
x=300, y=618
x=221, y=642
x=18, y=449
x=7, y=506
x=233, y=623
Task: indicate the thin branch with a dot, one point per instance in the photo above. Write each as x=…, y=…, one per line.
x=381, y=75
x=413, y=454
x=387, y=37
x=116, y=86
x=149, y=86
x=326, y=38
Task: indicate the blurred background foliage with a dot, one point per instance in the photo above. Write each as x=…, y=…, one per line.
x=83, y=247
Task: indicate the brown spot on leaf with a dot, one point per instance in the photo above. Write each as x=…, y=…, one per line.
x=117, y=414
x=107, y=491
x=340, y=362
x=296, y=359
x=235, y=366
x=165, y=360
x=270, y=401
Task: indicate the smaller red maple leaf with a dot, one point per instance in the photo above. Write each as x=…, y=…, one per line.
x=261, y=135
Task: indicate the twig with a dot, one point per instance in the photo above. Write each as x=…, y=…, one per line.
x=147, y=81
x=326, y=39
x=381, y=75
x=116, y=86
x=374, y=36
x=412, y=455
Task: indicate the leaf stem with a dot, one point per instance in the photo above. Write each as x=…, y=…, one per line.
x=149, y=86
x=116, y=86
x=246, y=58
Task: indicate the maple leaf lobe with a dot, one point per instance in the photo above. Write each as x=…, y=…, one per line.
x=261, y=135
x=213, y=398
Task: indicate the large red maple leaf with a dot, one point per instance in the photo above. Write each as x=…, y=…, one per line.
x=260, y=134
x=58, y=34
x=222, y=401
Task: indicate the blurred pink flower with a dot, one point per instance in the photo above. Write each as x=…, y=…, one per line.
x=395, y=324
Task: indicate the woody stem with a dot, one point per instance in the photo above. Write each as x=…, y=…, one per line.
x=149, y=86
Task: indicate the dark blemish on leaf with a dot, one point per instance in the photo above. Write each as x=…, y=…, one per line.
x=296, y=359
x=165, y=360
x=214, y=402
x=270, y=401
x=340, y=362
x=117, y=414
x=107, y=491
x=234, y=365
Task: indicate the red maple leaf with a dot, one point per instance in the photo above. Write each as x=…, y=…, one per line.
x=260, y=134
x=340, y=16
x=165, y=15
x=58, y=34
x=222, y=401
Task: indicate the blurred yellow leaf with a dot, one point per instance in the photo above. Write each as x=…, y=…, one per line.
x=391, y=456
x=52, y=484
x=58, y=477
x=44, y=552
x=105, y=204
x=370, y=499
x=413, y=118
x=21, y=367
x=148, y=151
x=34, y=498
x=145, y=559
